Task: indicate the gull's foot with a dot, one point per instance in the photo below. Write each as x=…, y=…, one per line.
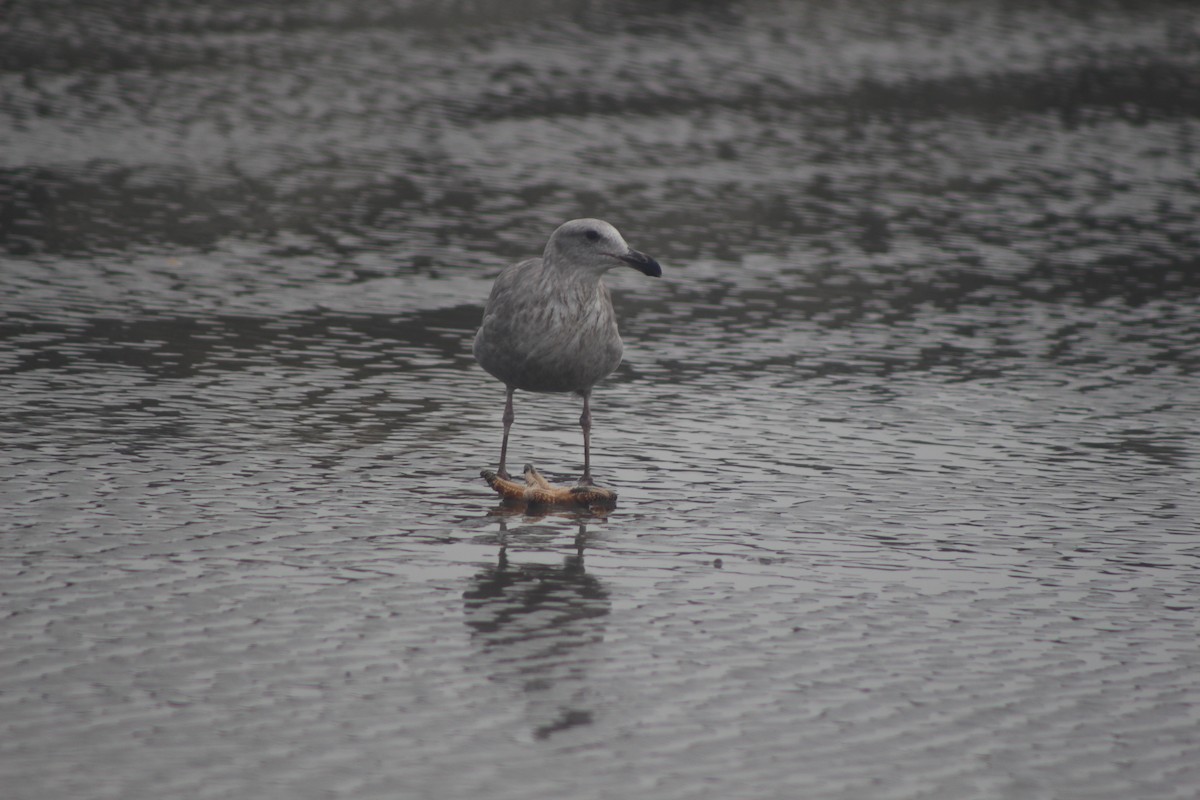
x=537, y=491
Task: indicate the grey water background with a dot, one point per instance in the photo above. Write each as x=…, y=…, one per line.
x=905, y=437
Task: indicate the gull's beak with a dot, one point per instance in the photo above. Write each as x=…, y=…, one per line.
x=642, y=263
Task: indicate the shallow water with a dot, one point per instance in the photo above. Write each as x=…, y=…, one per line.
x=905, y=437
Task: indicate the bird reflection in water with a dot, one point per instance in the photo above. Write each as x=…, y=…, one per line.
x=537, y=627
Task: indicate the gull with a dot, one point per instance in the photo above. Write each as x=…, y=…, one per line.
x=549, y=324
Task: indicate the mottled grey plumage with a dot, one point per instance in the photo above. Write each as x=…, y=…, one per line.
x=549, y=324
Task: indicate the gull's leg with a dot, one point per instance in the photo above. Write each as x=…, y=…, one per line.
x=585, y=422
x=536, y=491
x=508, y=421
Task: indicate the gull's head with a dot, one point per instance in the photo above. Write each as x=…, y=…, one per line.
x=595, y=246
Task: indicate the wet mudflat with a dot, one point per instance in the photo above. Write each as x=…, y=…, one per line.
x=905, y=437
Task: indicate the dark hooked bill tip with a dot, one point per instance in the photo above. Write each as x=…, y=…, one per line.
x=642, y=263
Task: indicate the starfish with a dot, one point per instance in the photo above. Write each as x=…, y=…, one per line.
x=537, y=491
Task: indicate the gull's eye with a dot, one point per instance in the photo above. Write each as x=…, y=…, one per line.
x=592, y=235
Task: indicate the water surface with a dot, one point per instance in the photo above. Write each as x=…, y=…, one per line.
x=905, y=438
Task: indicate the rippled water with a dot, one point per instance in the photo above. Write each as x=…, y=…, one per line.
x=905, y=437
